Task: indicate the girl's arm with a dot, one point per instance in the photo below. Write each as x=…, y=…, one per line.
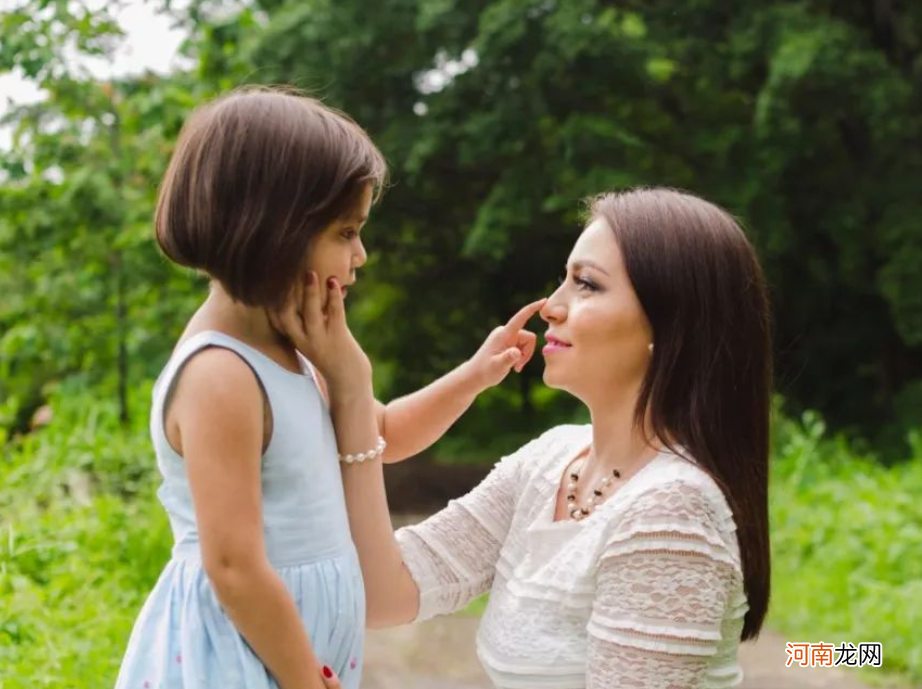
x=218, y=407
x=416, y=421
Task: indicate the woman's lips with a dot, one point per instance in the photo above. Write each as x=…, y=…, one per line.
x=554, y=345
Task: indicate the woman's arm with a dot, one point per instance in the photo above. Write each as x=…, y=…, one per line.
x=435, y=567
x=390, y=592
x=218, y=406
x=396, y=572
x=670, y=543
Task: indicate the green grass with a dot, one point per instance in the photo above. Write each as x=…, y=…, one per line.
x=82, y=540
x=847, y=547
x=476, y=607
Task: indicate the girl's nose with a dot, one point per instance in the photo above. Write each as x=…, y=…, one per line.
x=361, y=256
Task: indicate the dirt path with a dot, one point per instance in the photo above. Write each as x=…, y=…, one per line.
x=439, y=654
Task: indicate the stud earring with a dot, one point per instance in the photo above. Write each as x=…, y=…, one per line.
x=650, y=346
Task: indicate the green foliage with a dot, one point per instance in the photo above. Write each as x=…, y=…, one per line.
x=845, y=532
x=85, y=293
x=499, y=116
x=82, y=541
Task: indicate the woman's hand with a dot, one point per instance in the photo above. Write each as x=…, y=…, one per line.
x=330, y=680
x=506, y=347
x=323, y=337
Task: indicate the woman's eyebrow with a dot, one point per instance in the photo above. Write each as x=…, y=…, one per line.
x=576, y=265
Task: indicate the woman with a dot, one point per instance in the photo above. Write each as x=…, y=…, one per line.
x=634, y=551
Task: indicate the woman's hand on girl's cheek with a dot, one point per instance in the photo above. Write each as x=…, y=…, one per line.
x=323, y=336
x=330, y=680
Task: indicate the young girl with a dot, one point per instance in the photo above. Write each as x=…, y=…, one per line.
x=267, y=193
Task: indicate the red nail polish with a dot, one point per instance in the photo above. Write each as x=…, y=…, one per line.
x=327, y=672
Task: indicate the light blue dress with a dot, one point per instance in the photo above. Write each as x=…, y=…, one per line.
x=183, y=638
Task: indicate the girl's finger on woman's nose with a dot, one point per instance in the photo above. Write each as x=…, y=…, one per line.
x=527, y=342
x=518, y=321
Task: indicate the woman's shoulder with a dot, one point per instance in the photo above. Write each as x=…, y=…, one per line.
x=565, y=437
x=543, y=453
x=677, y=490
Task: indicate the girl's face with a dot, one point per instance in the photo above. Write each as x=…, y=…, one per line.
x=598, y=335
x=337, y=252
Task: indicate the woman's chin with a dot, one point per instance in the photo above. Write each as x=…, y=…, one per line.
x=556, y=380
x=551, y=379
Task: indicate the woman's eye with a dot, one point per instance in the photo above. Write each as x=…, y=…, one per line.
x=581, y=283
x=586, y=284
x=350, y=235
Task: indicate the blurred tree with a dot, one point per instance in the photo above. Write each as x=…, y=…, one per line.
x=499, y=116
x=84, y=291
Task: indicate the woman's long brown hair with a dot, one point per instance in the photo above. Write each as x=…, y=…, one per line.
x=708, y=387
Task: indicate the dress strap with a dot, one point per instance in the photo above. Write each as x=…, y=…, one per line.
x=319, y=380
x=262, y=366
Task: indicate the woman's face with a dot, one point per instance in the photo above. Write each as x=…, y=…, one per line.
x=598, y=335
x=337, y=252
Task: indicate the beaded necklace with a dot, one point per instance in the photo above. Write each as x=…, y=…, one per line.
x=576, y=512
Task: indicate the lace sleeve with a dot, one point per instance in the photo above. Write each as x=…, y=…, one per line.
x=452, y=555
x=664, y=584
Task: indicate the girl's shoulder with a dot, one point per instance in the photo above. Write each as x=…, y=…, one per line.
x=217, y=375
x=205, y=357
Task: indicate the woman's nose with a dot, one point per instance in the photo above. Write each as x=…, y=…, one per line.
x=553, y=310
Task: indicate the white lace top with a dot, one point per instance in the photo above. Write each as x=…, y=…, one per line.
x=645, y=593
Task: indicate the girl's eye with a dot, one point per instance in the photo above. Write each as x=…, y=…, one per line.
x=350, y=235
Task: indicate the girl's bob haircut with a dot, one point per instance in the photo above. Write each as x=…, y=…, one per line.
x=256, y=175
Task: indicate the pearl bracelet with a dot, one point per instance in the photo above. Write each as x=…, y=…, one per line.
x=362, y=456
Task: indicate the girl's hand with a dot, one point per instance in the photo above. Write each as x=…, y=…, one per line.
x=506, y=347
x=323, y=337
x=330, y=680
